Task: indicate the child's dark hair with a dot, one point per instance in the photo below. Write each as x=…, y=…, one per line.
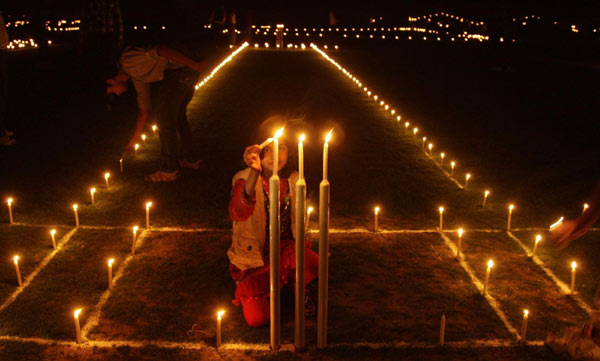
x=292, y=160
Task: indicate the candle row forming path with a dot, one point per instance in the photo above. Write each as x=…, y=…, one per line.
x=302, y=215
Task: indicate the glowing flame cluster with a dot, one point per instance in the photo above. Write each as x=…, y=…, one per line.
x=218, y=67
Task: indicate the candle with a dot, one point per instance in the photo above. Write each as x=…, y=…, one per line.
x=265, y=143
x=92, y=191
x=10, y=216
x=52, y=233
x=275, y=245
x=121, y=164
x=430, y=146
x=485, y=196
x=106, y=176
x=144, y=139
x=308, y=212
x=376, y=227
x=301, y=157
x=524, y=325
x=148, y=205
x=459, y=244
x=135, y=229
x=415, y=131
x=406, y=124
x=557, y=223
x=76, y=215
x=135, y=149
x=110, y=282
x=16, y=261
x=538, y=238
x=299, y=339
x=442, y=329
x=423, y=143
x=573, y=271
x=77, y=327
x=442, y=155
x=510, y=210
x=585, y=207
x=154, y=130
x=441, y=209
x=467, y=177
x=487, y=276
x=324, y=198
x=452, y=165
x=219, y=317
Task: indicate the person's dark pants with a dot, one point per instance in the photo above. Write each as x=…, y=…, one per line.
x=174, y=93
x=3, y=92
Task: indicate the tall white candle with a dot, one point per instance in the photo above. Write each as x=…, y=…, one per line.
x=324, y=198
x=459, y=243
x=441, y=209
x=301, y=157
x=148, y=205
x=92, y=191
x=300, y=237
x=538, y=238
x=106, y=176
x=110, y=277
x=76, y=215
x=510, y=210
x=524, y=325
x=219, y=317
x=467, y=177
x=274, y=249
x=326, y=154
x=52, y=233
x=77, y=326
x=487, y=276
x=9, y=201
x=573, y=272
x=486, y=193
x=376, y=227
x=16, y=261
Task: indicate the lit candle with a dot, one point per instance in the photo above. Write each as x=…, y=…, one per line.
x=585, y=207
x=486, y=193
x=376, y=227
x=92, y=191
x=265, y=143
x=275, y=245
x=452, y=165
x=430, y=146
x=148, y=205
x=144, y=139
x=487, y=276
x=219, y=316
x=442, y=155
x=441, y=209
x=524, y=325
x=459, y=244
x=423, y=143
x=121, y=164
x=52, y=233
x=415, y=131
x=154, y=130
x=301, y=157
x=135, y=149
x=106, y=176
x=324, y=198
x=406, y=124
x=77, y=327
x=442, y=329
x=308, y=212
x=538, y=238
x=467, y=177
x=557, y=223
x=135, y=229
x=76, y=215
x=510, y=210
x=16, y=261
x=110, y=281
x=573, y=272
x=10, y=216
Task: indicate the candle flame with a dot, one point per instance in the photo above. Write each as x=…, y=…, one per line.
x=452, y=164
x=154, y=128
x=415, y=130
x=9, y=201
x=53, y=232
x=110, y=262
x=468, y=176
x=377, y=210
x=490, y=264
x=511, y=207
x=16, y=259
x=144, y=137
x=77, y=312
x=573, y=265
x=441, y=209
x=442, y=155
x=148, y=205
x=302, y=138
x=75, y=207
x=106, y=175
x=487, y=193
x=92, y=190
x=328, y=137
x=137, y=146
x=430, y=146
x=279, y=133
x=310, y=209
x=135, y=228
x=220, y=314
x=460, y=232
x=406, y=124
x=526, y=313
x=538, y=238
x=586, y=206
x=557, y=223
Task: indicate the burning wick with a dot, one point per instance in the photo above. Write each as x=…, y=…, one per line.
x=467, y=177
x=573, y=272
x=52, y=233
x=106, y=176
x=144, y=139
x=442, y=155
x=148, y=205
x=76, y=215
x=376, y=224
x=487, y=276
x=77, y=327
x=92, y=191
x=110, y=278
x=135, y=229
x=459, y=245
x=430, y=146
x=219, y=316
x=441, y=209
x=16, y=261
x=538, y=238
x=154, y=129
x=510, y=210
x=485, y=196
x=524, y=325
x=10, y=216
x=452, y=165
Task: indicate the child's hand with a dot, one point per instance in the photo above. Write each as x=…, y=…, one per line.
x=252, y=157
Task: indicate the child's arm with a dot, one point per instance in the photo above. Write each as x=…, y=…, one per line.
x=252, y=160
x=177, y=57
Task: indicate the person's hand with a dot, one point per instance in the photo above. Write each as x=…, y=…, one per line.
x=116, y=86
x=252, y=157
x=566, y=233
x=130, y=147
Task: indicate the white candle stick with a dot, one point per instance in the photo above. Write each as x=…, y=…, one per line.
x=154, y=128
x=415, y=131
x=92, y=191
x=441, y=209
x=106, y=176
x=423, y=143
x=442, y=329
x=148, y=205
x=110, y=278
x=324, y=198
x=573, y=272
x=510, y=210
x=452, y=165
x=76, y=215
x=16, y=262
x=459, y=243
x=524, y=326
x=135, y=149
x=538, y=238
x=467, y=177
x=301, y=157
x=265, y=143
x=376, y=225
x=219, y=317
x=308, y=212
x=52, y=233
x=121, y=164
x=406, y=124
x=326, y=154
x=275, y=245
x=442, y=156
x=134, y=238
x=144, y=139
x=557, y=223
x=300, y=237
x=430, y=146
x=486, y=193
x=487, y=276
x=585, y=207
x=77, y=327
x=9, y=201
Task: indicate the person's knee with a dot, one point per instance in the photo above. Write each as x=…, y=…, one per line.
x=256, y=311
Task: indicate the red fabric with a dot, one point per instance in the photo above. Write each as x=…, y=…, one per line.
x=241, y=206
x=253, y=288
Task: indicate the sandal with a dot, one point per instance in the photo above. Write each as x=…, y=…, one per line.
x=160, y=176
